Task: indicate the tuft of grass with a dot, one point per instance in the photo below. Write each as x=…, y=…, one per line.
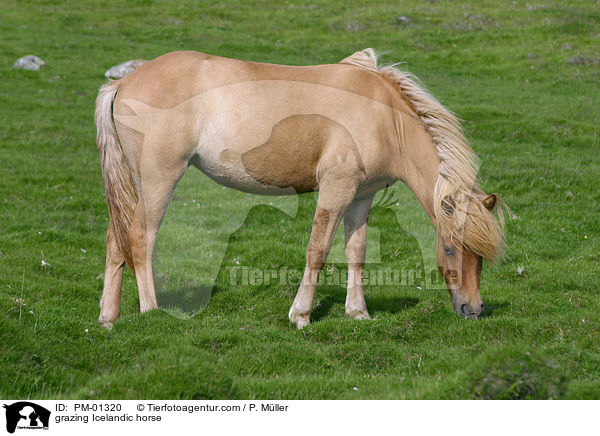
x=516, y=373
x=188, y=372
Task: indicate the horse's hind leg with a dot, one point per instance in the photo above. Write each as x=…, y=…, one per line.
x=110, y=305
x=355, y=224
x=158, y=178
x=334, y=198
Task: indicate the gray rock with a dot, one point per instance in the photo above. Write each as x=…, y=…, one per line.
x=29, y=62
x=121, y=70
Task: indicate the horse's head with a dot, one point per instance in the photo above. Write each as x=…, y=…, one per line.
x=461, y=269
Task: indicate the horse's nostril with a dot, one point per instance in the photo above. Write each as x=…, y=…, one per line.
x=462, y=309
x=482, y=307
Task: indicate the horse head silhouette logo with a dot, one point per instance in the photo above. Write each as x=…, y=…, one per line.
x=28, y=415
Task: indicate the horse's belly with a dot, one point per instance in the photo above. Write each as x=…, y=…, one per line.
x=249, y=170
x=233, y=175
x=282, y=158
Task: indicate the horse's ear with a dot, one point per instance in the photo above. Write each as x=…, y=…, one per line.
x=490, y=201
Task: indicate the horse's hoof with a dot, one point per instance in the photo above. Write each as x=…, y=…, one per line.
x=358, y=314
x=107, y=317
x=301, y=321
x=147, y=306
x=105, y=323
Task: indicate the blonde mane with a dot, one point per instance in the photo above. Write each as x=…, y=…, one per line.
x=459, y=213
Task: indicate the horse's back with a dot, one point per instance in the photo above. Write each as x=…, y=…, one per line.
x=175, y=77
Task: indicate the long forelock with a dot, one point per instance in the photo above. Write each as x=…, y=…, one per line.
x=460, y=215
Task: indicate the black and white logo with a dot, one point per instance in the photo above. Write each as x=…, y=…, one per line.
x=26, y=415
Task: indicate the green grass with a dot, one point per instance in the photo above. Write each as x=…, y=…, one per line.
x=532, y=116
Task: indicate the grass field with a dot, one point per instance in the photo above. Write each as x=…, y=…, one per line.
x=523, y=75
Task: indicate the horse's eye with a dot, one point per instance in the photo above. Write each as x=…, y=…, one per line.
x=448, y=251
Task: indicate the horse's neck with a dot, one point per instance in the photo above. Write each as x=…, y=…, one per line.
x=418, y=160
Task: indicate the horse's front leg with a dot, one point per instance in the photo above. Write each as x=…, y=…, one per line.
x=355, y=224
x=334, y=198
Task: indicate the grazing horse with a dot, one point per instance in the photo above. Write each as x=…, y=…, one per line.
x=347, y=130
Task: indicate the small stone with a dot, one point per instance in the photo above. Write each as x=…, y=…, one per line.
x=121, y=70
x=29, y=62
x=566, y=46
x=583, y=60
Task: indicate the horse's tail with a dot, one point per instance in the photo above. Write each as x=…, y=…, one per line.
x=118, y=182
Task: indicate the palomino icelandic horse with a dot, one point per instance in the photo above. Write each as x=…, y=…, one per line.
x=346, y=130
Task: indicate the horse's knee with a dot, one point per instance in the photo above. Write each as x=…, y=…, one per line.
x=315, y=256
x=355, y=254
